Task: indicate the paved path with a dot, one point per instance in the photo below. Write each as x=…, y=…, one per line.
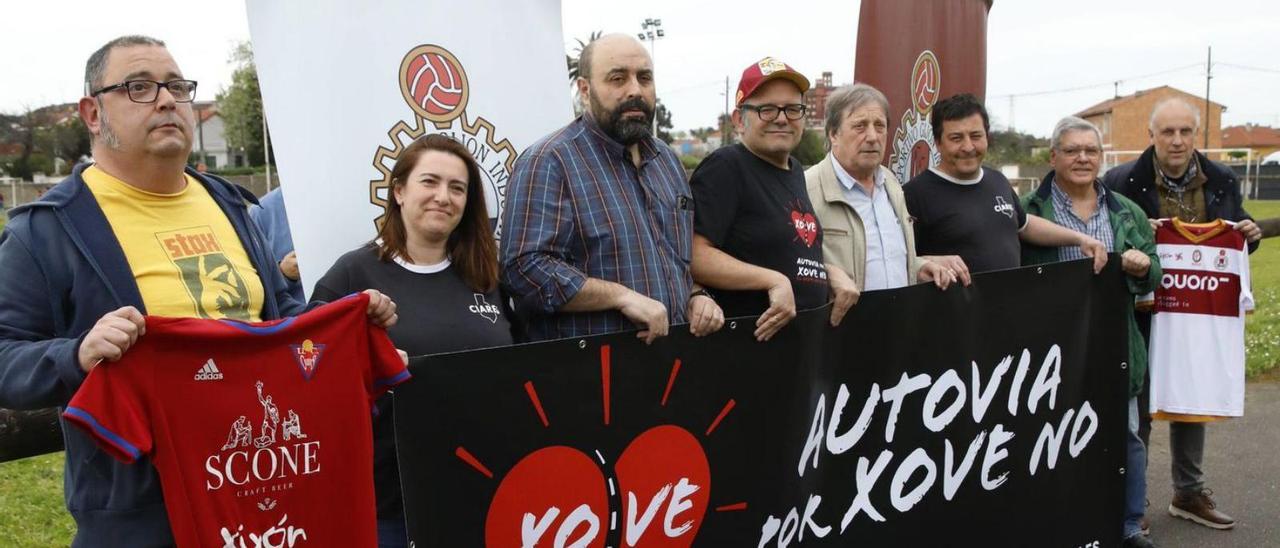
x=1241, y=465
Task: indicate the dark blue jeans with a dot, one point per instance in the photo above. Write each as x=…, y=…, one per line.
x=391, y=533
x=1135, y=477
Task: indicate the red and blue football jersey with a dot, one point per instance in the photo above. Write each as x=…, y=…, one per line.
x=261, y=432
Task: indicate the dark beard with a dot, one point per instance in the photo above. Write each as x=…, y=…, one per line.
x=627, y=131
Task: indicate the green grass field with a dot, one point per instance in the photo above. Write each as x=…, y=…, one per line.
x=31, y=496
x=31, y=489
x=1262, y=332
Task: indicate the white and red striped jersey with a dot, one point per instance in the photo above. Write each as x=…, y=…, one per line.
x=1197, y=333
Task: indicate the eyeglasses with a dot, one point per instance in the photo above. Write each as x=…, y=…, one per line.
x=769, y=113
x=147, y=91
x=1088, y=152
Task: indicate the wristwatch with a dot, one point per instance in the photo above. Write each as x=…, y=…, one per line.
x=701, y=292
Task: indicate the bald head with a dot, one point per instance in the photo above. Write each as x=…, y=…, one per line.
x=1174, y=124
x=617, y=86
x=1175, y=106
x=605, y=47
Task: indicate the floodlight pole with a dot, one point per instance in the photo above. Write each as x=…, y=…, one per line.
x=651, y=31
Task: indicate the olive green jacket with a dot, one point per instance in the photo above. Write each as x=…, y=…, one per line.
x=1131, y=231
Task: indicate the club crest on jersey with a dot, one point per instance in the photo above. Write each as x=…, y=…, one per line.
x=1221, y=262
x=1003, y=207
x=1196, y=256
x=308, y=356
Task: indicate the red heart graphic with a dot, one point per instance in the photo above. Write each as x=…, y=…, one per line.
x=554, y=496
x=557, y=496
x=806, y=227
x=665, y=486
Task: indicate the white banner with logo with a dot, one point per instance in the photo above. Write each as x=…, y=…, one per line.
x=347, y=85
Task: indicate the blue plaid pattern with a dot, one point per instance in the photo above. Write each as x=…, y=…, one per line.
x=578, y=207
x=1097, y=226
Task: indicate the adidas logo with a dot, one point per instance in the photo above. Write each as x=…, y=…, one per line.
x=209, y=372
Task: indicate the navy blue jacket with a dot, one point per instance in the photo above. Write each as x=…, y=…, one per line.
x=1136, y=181
x=61, y=269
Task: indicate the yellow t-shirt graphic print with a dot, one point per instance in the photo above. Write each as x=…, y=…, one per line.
x=212, y=281
x=184, y=253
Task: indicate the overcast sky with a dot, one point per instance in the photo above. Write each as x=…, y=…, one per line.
x=1034, y=46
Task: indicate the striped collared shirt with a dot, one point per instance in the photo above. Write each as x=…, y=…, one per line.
x=886, y=246
x=578, y=207
x=1097, y=226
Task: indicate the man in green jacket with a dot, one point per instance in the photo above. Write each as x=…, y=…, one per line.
x=1072, y=196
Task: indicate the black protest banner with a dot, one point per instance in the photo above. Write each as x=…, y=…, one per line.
x=992, y=415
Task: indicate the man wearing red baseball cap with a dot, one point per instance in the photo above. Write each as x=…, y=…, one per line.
x=756, y=240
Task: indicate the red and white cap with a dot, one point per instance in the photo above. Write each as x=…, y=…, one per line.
x=764, y=70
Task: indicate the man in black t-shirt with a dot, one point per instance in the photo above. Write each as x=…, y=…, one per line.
x=756, y=240
x=968, y=217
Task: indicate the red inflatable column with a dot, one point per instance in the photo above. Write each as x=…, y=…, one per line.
x=917, y=52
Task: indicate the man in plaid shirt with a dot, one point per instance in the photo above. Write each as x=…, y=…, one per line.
x=598, y=222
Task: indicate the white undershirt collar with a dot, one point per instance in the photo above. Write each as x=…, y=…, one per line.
x=423, y=268
x=974, y=181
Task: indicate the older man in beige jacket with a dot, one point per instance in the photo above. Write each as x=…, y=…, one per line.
x=866, y=230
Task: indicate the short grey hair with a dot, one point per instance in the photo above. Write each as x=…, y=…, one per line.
x=1172, y=101
x=1072, y=123
x=850, y=98
x=97, y=63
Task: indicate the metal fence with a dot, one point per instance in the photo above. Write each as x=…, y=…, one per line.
x=257, y=184
x=15, y=192
x=1259, y=182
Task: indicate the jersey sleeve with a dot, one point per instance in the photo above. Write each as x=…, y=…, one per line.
x=110, y=406
x=716, y=187
x=385, y=364
x=1246, y=280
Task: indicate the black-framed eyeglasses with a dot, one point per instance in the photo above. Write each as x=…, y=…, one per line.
x=147, y=91
x=769, y=113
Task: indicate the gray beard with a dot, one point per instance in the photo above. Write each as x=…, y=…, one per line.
x=105, y=135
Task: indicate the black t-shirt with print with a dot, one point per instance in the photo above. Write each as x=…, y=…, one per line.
x=978, y=221
x=760, y=214
x=437, y=312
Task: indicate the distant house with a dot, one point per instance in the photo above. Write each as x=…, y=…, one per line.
x=210, y=146
x=816, y=101
x=1262, y=140
x=689, y=147
x=1124, y=121
x=714, y=140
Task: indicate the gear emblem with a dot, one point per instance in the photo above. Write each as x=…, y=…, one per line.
x=434, y=84
x=913, y=148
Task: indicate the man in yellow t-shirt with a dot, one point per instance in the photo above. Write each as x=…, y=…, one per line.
x=184, y=253
x=134, y=232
